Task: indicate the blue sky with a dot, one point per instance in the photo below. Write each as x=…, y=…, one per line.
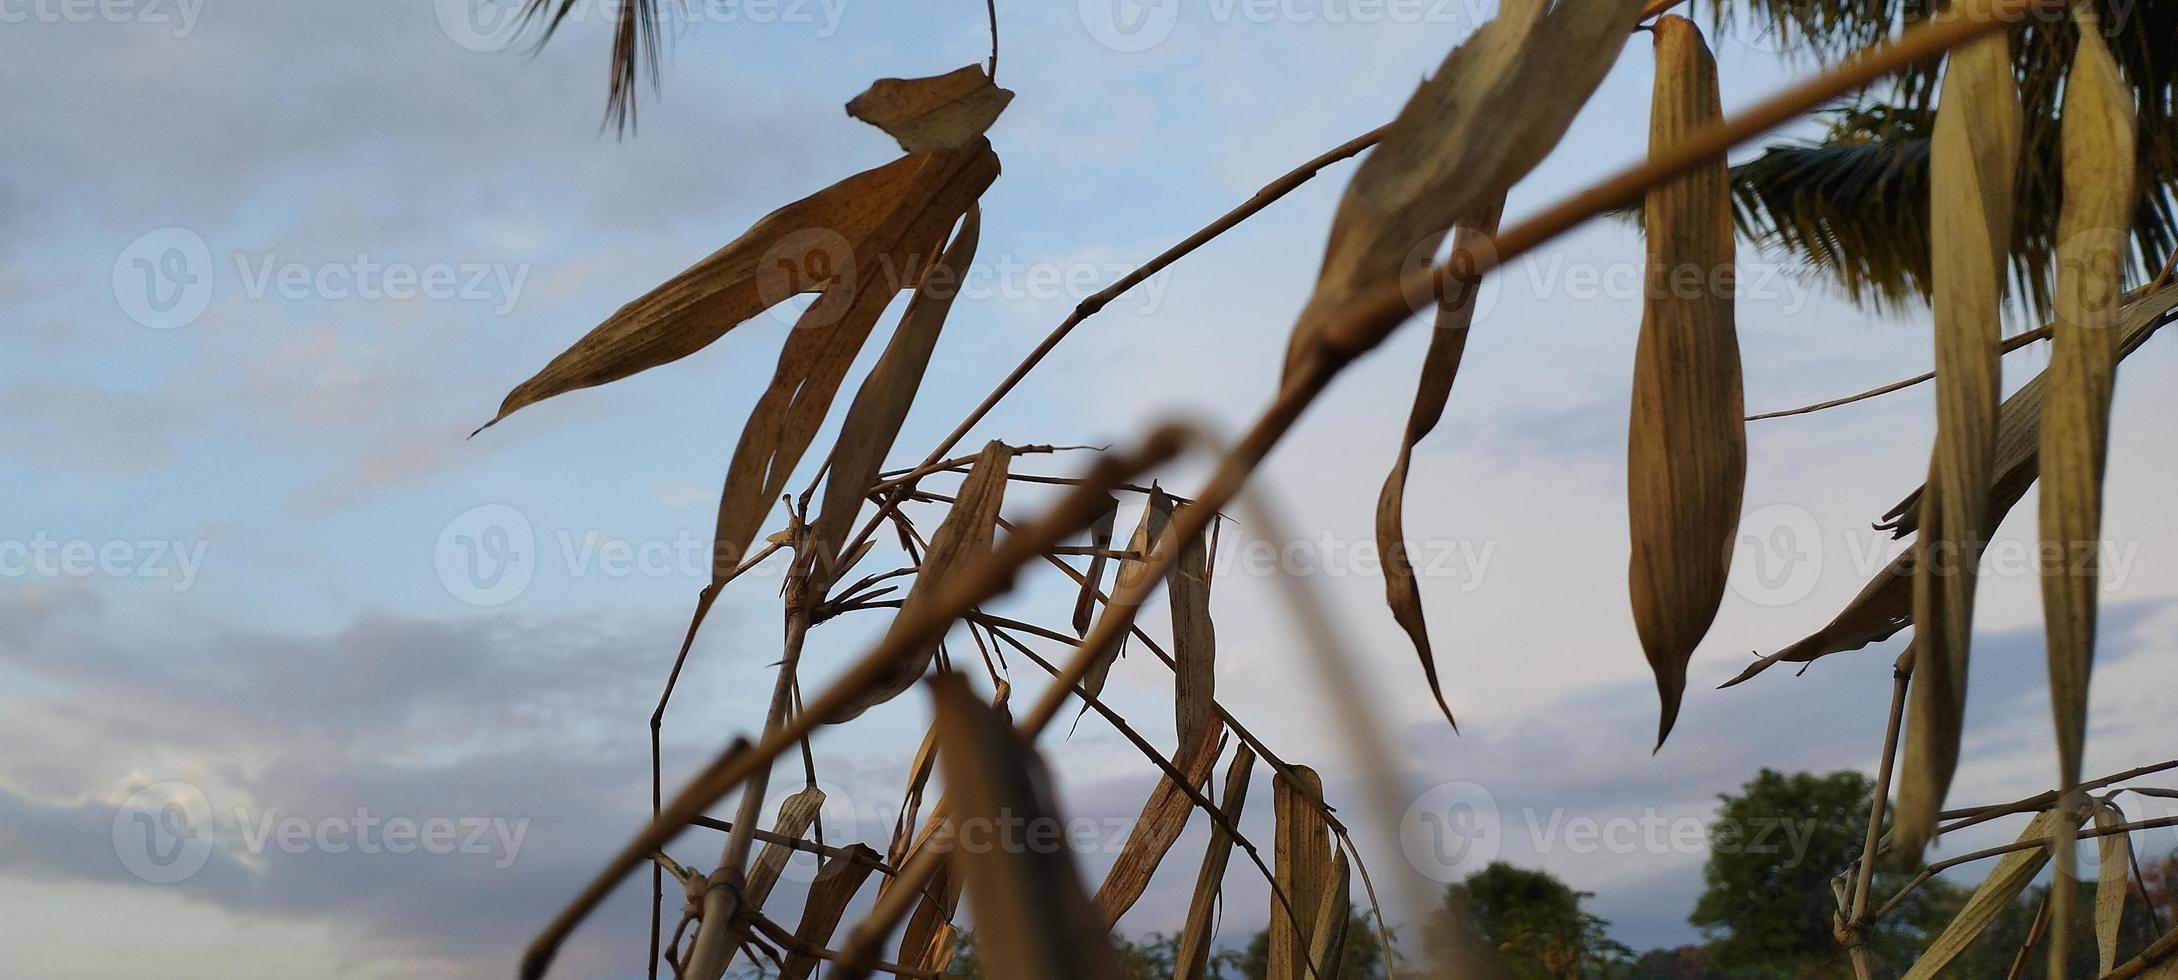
x=275, y=492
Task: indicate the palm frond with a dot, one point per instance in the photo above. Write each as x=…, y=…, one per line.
x=635, y=49
x=1854, y=204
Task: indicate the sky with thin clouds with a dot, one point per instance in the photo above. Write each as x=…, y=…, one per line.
x=299, y=680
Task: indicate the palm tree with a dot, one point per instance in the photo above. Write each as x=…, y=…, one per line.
x=1854, y=203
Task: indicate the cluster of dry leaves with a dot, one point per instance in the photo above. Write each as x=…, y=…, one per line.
x=1438, y=174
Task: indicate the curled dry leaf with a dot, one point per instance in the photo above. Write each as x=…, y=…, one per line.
x=1302, y=869
x=1493, y=110
x=1193, y=954
x=941, y=112
x=1686, y=455
x=1194, y=643
x=2093, y=242
x=1033, y=918
x=881, y=404
x=1885, y=605
x=962, y=539
x=1973, y=155
x=1440, y=365
x=1995, y=893
x=839, y=878
x=1100, y=541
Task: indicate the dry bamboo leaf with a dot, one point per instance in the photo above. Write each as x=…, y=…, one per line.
x=1493, y=110
x=829, y=335
x=929, y=935
x=1686, y=457
x=1973, y=155
x=1194, y=643
x=1328, y=945
x=1885, y=605
x=881, y=405
x=1193, y=953
x=1303, y=869
x=2115, y=861
x=1033, y=918
x=1164, y=815
x=2092, y=244
x=1440, y=365
x=1995, y=893
x=963, y=538
x=1100, y=541
x=941, y=112
x=839, y=878
x=1156, y=512
x=786, y=252
x=796, y=813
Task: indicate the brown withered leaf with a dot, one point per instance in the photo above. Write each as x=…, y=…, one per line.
x=881, y=404
x=2093, y=241
x=1032, y=917
x=962, y=539
x=1493, y=110
x=839, y=878
x=1973, y=155
x=1194, y=643
x=1164, y=815
x=1302, y=869
x=786, y=252
x=828, y=336
x=1440, y=366
x=1885, y=605
x=1193, y=954
x=927, y=941
x=1686, y=455
x=941, y=112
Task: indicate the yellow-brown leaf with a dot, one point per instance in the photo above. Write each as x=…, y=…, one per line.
x=1686, y=455
x=941, y=112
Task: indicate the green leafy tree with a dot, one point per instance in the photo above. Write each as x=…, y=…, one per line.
x=1531, y=926
x=1773, y=849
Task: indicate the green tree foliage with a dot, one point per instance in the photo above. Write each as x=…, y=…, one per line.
x=1773, y=849
x=1532, y=925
